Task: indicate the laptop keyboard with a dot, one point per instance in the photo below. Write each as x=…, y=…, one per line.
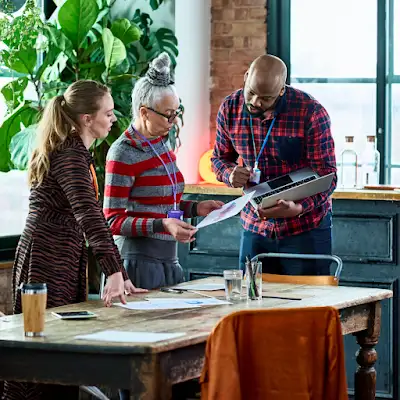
x=259, y=199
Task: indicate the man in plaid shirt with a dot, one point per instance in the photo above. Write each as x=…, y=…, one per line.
x=300, y=137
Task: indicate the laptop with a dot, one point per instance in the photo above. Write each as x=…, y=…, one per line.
x=296, y=185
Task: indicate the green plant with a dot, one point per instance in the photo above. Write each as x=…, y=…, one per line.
x=83, y=43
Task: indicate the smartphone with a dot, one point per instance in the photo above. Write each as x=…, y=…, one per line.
x=74, y=314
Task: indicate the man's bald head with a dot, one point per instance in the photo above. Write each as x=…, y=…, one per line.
x=264, y=82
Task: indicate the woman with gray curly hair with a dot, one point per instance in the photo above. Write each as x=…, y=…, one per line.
x=143, y=185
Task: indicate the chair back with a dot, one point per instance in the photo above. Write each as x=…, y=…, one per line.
x=317, y=280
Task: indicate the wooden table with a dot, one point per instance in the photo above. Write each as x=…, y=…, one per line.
x=149, y=370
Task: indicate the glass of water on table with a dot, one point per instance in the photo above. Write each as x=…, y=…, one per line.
x=233, y=284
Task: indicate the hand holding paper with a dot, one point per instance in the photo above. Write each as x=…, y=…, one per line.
x=228, y=210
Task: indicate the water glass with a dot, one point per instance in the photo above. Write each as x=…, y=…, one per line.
x=253, y=280
x=233, y=284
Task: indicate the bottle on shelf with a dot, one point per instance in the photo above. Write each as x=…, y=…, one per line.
x=349, y=165
x=370, y=163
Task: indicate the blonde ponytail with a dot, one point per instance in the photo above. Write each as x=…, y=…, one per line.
x=60, y=120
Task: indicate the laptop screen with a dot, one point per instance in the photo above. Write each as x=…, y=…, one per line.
x=279, y=182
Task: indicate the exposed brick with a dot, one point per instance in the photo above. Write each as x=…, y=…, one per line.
x=257, y=43
x=238, y=36
x=249, y=3
x=221, y=28
x=216, y=14
x=218, y=95
x=241, y=14
x=257, y=13
x=222, y=83
x=222, y=42
x=228, y=15
x=237, y=81
x=244, y=54
x=248, y=29
x=229, y=68
x=220, y=4
x=220, y=54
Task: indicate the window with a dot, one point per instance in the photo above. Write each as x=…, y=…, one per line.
x=347, y=55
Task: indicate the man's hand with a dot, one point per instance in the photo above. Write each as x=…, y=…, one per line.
x=239, y=176
x=283, y=209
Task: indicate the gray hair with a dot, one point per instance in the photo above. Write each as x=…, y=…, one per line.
x=156, y=84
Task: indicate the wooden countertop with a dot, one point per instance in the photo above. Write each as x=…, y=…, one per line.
x=339, y=194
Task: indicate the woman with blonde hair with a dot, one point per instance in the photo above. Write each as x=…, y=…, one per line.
x=64, y=213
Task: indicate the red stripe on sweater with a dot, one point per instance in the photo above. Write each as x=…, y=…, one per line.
x=153, y=200
x=116, y=225
x=116, y=191
x=144, y=227
x=151, y=163
x=120, y=168
x=158, y=180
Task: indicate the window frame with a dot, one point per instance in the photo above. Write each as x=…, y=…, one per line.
x=278, y=44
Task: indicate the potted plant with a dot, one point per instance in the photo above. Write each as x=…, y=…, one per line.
x=82, y=42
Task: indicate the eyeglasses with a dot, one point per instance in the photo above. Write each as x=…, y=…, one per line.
x=170, y=118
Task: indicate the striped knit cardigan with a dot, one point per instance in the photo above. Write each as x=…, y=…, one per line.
x=138, y=192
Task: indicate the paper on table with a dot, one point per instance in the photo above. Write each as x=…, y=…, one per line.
x=200, y=286
x=126, y=336
x=200, y=301
x=228, y=210
x=149, y=305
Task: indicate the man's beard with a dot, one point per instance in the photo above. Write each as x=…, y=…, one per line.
x=258, y=114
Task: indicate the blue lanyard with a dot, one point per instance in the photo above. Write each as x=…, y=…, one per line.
x=257, y=157
x=174, y=184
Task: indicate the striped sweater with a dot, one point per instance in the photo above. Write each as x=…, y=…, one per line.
x=138, y=192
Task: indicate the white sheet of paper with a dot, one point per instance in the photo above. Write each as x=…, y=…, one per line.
x=228, y=210
x=201, y=301
x=149, y=305
x=126, y=336
x=200, y=286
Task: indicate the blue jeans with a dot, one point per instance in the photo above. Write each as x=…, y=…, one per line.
x=315, y=241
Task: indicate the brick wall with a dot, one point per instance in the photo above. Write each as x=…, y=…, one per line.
x=238, y=36
x=5, y=288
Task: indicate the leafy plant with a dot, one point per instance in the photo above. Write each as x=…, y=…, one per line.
x=85, y=42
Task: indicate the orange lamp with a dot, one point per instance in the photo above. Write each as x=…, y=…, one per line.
x=205, y=170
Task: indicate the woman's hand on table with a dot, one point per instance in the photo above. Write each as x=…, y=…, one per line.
x=180, y=230
x=205, y=207
x=114, y=288
x=130, y=288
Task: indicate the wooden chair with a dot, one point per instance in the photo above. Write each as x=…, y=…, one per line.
x=317, y=280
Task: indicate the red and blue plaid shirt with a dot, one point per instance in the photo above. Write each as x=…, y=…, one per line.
x=301, y=137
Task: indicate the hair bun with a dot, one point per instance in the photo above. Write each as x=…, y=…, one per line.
x=159, y=73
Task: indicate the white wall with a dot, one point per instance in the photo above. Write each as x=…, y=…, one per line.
x=14, y=202
x=193, y=29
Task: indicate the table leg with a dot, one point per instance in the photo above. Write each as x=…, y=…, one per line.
x=365, y=376
x=148, y=382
